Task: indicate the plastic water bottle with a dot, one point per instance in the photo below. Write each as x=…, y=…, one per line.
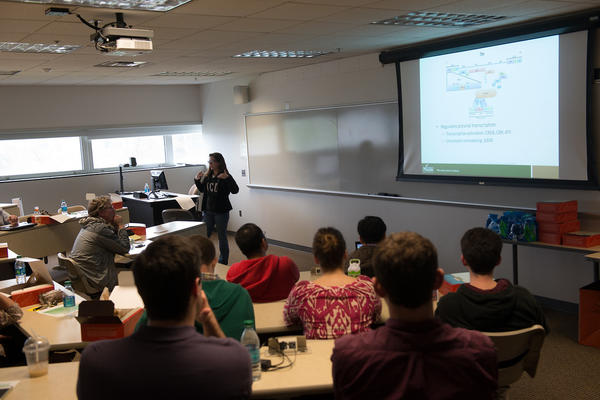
x=354, y=268
x=250, y=340
x=20, y=273
x=146, y=189
x=69, y=299
x=36, y=214
x=63, y=207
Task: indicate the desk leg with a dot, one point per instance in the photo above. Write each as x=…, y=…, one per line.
x=515, y=264
x=596, y=271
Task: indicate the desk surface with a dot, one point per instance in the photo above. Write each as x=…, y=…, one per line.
x=44, y=240
x=551, y=246
x=153, y=200
x=310, y=373
x=183, y=228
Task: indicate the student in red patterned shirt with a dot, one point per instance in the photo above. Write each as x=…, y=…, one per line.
x=335, y=304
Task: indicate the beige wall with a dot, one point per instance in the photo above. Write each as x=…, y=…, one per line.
x=295, y=216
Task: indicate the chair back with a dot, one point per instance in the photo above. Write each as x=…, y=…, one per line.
x=518, y=351
x=78, y=280
x=176, y=214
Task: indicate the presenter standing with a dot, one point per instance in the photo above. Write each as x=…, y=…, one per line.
x=217, y=184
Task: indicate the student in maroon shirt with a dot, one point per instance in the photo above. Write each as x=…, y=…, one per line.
x=414, y=355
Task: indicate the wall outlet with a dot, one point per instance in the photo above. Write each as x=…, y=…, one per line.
x=240, y=213
x=243, y=172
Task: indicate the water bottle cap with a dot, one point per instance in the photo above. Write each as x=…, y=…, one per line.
x=67, y=283
x=248, y=322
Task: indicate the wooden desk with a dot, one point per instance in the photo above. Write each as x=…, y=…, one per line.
x=44, y=240
x=311, y=373
x=182, y=228
x=149, y=211
x=595, y=258
x=58, y=384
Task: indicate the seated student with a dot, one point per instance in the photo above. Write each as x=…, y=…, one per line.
x=100, y=238
x=6, y=218
x=334, y=304
x=230, y=302
x=11, y=337
x=371, y=231
x=414, y=355
x=486, y=304
x=168, y=358
x=266, y=277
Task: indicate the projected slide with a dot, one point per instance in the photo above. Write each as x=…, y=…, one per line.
x=493, y=111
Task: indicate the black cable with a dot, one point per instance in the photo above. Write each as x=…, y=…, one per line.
x=87, y=23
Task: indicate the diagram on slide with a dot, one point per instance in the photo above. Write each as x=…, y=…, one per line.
x=485, y=79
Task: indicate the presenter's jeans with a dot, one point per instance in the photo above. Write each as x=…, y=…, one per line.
x=219, y=220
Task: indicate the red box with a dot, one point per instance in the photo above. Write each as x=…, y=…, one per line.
x=137, y=228
x=3, y=250
x=117, y=204
x=559, y=228
x=589, y=315
x=43, y=220
x=555, y=217
x=548, y=237
x=557, y=206
x=98, y=321
x=581, y=239
x=31, y=295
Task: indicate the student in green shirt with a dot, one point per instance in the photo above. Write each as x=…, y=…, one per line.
x=230, y=302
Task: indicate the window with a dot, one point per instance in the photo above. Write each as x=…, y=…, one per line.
x=69, y=152
x=188, y=148
x=108, y=153
x=38, y=156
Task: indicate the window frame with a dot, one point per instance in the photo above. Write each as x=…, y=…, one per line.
x=86, y=135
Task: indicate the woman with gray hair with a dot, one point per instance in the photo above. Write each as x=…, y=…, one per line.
x=101, y=237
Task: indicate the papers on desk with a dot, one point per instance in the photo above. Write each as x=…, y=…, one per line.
x=185, y=202
x=138, y=247
x=61, y=218
x=6, y=387
x=60, y=311
x=126, y=297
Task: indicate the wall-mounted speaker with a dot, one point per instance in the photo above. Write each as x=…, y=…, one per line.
x=240, y=95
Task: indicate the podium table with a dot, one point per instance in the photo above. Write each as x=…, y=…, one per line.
x=149, y=210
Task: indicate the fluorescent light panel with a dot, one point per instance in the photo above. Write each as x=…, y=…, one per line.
x=281, y=54
x=203, y=74
x=121, y=64
x=37, y=48
x=439, y=19
x=145, y=5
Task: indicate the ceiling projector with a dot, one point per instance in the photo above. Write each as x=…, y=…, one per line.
x=111, y=39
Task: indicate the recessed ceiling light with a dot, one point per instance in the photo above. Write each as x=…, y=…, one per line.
x=207, y=74
x=121, y=64
x=37, y=48
x=9, y=72
x=147, y=5
x=440, y=19
x=281, y=54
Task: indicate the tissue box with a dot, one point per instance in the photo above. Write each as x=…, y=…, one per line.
x=137, y=228
x=556, y=217
x=559, y=228
x=31, y=295
x=3, y=250
x=581, y=239
x=98, y=321
x=557, y=206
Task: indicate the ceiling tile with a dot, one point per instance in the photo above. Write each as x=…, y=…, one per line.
x=298, y=11
x=227, y=7
x=314, y=28
x=256, y=25
x=191, y=21
x=361, y=15
x=20, y=26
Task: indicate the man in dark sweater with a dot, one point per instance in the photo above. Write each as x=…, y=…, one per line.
x=168, y=358
x=486, y=304
x=414, y=356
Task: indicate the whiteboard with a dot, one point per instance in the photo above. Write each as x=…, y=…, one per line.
x=345, y=149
